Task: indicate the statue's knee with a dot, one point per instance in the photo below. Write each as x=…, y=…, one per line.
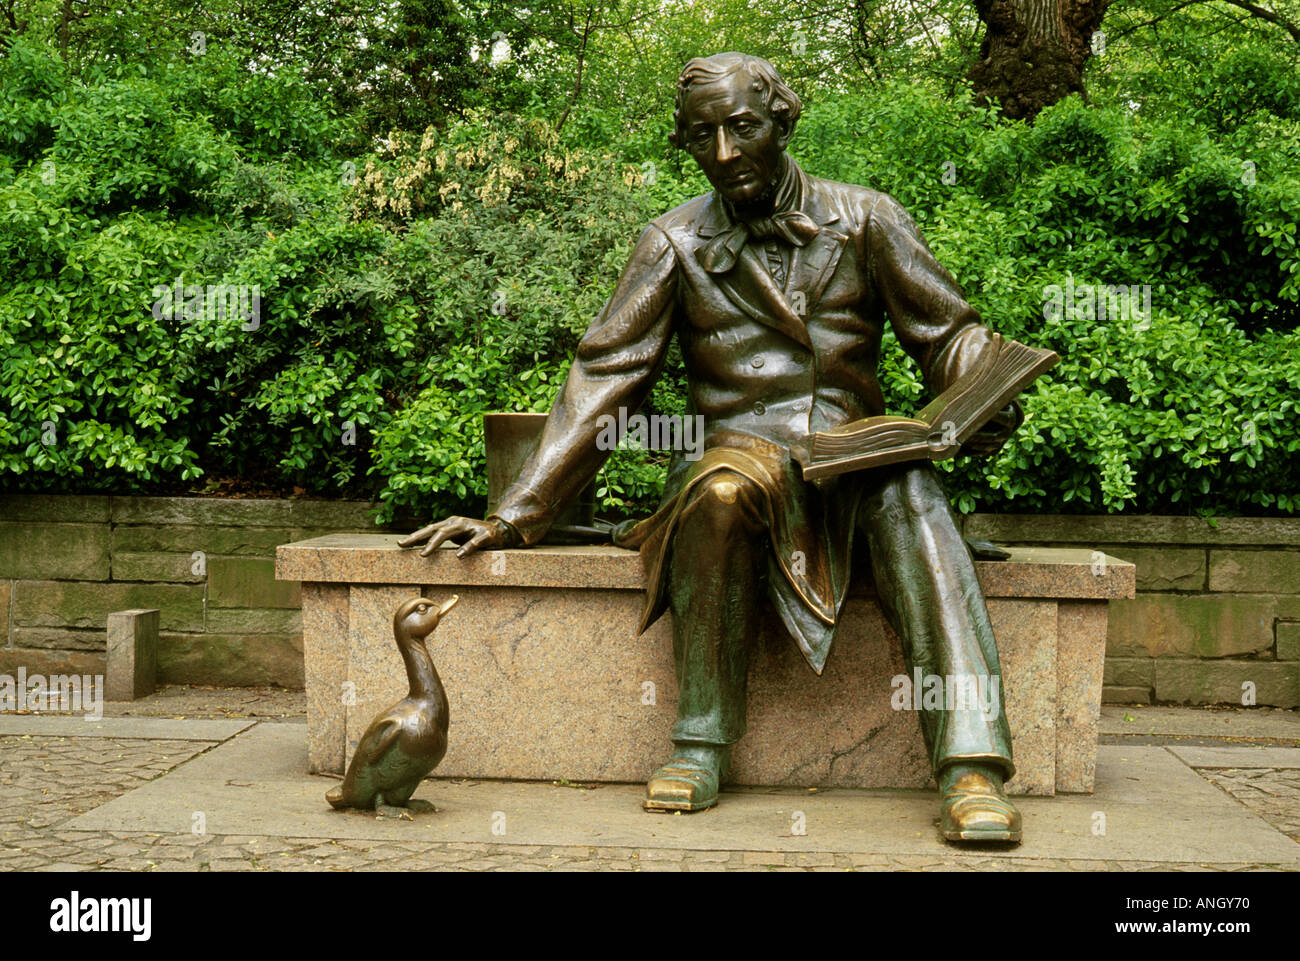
x=728, y=498
x=728, y=487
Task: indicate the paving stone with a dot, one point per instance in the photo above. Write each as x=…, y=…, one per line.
x=230, y=864
x=26, y=862
x=174, y=867
x=815, y=860
x=33, y=834
x=717, y=856
x=659, y=854
x=1271, y=793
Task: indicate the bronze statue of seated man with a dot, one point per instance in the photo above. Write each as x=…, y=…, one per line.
x=777, y=285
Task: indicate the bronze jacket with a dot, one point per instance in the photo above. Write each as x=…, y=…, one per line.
x=766, y=366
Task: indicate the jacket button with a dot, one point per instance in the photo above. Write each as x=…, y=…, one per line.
x=756, y=362
x=759, y=409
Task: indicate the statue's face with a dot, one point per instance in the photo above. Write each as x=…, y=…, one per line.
x=732, y=137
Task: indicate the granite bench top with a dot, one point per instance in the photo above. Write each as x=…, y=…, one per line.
x=376, y=559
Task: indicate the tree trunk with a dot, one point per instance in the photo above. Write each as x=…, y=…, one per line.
x=1033, y=52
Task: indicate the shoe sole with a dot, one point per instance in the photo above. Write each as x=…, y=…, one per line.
x=669, y=807
x=1009, y=836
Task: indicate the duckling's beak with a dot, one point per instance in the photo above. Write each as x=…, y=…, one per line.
x=448, y=605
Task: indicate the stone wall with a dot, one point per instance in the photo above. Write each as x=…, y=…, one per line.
x=207, y=564
x=1218, y=603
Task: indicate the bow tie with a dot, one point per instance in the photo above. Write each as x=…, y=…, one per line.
x=719, y=254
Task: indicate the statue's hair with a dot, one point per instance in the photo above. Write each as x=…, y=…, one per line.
x=783, y=104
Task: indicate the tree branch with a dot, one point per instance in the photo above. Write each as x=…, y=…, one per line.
x=1254, y=9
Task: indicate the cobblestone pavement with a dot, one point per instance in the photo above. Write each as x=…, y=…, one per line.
x=1272, y=794
x=45, y=781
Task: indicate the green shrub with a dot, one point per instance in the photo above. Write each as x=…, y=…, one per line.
x=452, y=271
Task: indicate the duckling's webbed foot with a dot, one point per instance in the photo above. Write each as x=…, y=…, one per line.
x=418, y=804
x=388, y=811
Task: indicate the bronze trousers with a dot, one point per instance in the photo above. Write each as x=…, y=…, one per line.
x=924, y=577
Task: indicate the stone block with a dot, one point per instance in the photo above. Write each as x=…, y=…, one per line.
x=1138, y=529
x=248, y=582
x=41, y=551
x=1129, y=672
x=230, y=660
x=132, y=654
x=59, y=638
x=1263, y=572
x=82, y=604
x=1277, y=683
x=1160, y=568
x=325, y=634
x=50, y=662
x=547, y=683
x=187, y=538
x=1028, y=647
x=1080, y=657
x=335, y=515
x=1191, y=625
x=240, y=620
x=1165, y=568
x=1126, y=695
x=6, y=594
x=54, y=508
x=170, y=568
x=376, y=559
x=240, y=512
x=499, y=654
x=200, y=511
x=1288, y=640
x=310, y=533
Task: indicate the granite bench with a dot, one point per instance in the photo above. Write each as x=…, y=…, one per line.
x=546, y=679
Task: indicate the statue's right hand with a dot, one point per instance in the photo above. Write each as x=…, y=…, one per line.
x=472, y=534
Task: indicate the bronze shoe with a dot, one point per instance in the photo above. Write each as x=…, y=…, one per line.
x=974, y=808
x=686, y=783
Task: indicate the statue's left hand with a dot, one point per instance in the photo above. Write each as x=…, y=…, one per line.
x=473, y=534
x=988, y=440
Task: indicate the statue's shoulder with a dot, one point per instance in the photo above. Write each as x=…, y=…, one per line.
x=684, y=217
x=854, y=204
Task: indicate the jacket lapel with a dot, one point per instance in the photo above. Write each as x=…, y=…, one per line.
x=812, y=265
x=750, y=286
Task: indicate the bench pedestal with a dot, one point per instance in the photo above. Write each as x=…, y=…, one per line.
x=547, y=681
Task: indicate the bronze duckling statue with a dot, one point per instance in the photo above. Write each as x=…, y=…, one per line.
x=404, y=743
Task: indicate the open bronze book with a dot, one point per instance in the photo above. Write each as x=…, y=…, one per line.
x=1003, y=370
